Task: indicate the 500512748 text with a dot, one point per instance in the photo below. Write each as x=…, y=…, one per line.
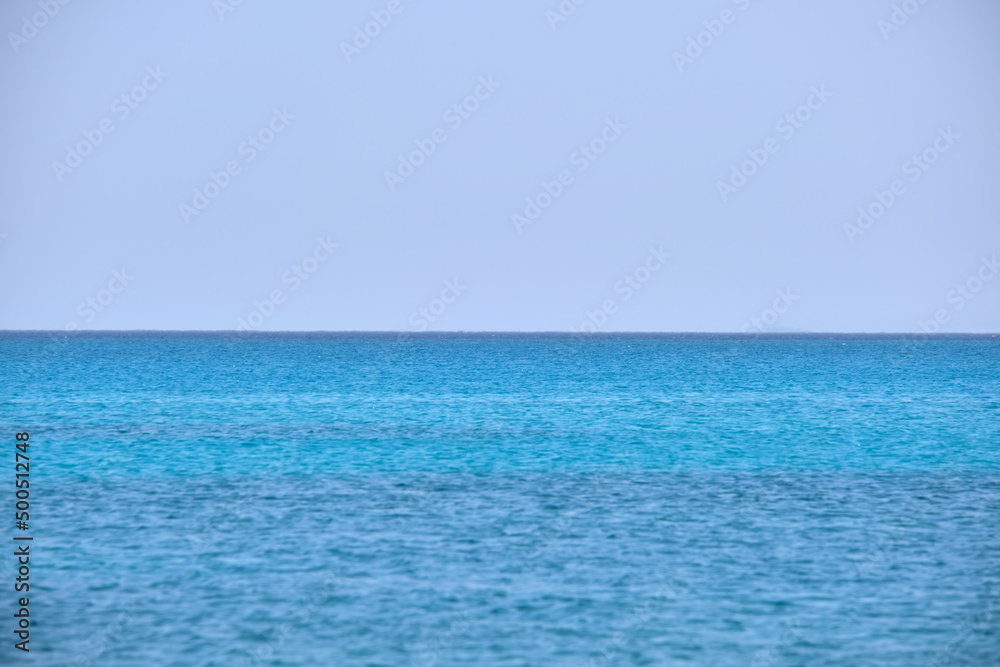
x=22, y=543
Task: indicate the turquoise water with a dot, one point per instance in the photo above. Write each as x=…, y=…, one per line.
x=508, y=500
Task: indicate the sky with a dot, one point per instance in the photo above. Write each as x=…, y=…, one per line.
x=527, y=165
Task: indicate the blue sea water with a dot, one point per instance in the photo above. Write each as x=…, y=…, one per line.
x=506, y=500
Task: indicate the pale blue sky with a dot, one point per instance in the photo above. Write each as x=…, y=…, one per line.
x=775, y=251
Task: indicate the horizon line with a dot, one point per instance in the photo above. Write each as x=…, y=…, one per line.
x=482, y=332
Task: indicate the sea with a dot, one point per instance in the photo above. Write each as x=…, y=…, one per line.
x=504, y=499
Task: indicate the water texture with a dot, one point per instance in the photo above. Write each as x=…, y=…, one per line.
x=507, y=500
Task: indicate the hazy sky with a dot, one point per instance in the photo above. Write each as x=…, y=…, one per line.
x=519, y=165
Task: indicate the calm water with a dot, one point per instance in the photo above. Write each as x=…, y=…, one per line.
x=365, y=500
